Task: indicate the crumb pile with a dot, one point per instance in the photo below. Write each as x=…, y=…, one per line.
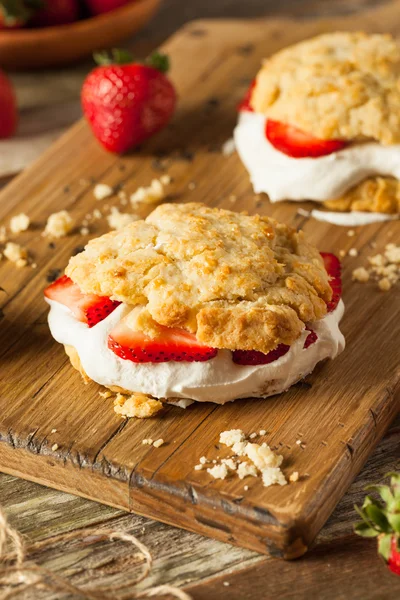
x=383, y=268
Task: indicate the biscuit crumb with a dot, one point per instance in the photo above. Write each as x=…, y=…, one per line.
x=384, y=284
x=147, y=442
x=102, y=191
x=19, y=223
x=342, y=253
x=351, y=233
x=199, y=467
x=136, y=405
x=16, y=254
x=353, y=252
x=53, y=431
x=166, y=179
x=158, y=443
x=262, y=432
x=273, y=475
x=54, y=447
x=294, y=476
x=361, y=274
x=230, y=463
x=117, y=220
x=203, y=460
x=149, y=195
x=84, y=230
x=105, y=394
x=218, y=471
x=246, y=487
x=59, y=224
x=253, y=435
x=226, y=583
x=231, y=437
x=246, y=470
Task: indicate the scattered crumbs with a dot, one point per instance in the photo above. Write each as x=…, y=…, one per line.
x=203, y=460
x=353, y=252
x=136, y=405
x=54, y=447
x=158, y=443
x=231, y=437
x=102, y=191
x=246, y=488
x=253, y=435
x=303, y=213
x=147, y=442
x=106, y=394
x=19, y=223
x=97, y=214
x=16, y=254
x=360, y=274
x=84, y=230
x=34, y=265
x=218, y=471
x=52, y=275
x=342, y=253
x=152, y=194
x=239, y=448
x=226, y=583
x=214, y=461
x=117, y=220
x=298, y=442
x=230, y=463
x=351, y=233
x=199, y=467
x=53, y=431
x=384, y=284
x=262, y=432
x=294, y=477
x=166, y=179
x=228, y=147
x=273, y=475
x=59, y=224
x=245, y=469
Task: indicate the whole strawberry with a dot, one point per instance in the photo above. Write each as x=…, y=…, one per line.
x=16, y=13
x=56, y=12
x=126, y=102
x=381, y=519
x=97, y=7
x=8, y=108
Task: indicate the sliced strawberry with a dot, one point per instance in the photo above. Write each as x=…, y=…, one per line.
x=310, y=339
x=253, y=357
x=244, y=105
x=172, y=345
x=334, y=269
x=297, y=143
x=88, y=308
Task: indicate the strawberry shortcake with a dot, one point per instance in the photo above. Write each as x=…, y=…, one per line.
x=321, y=122
x=198, y=303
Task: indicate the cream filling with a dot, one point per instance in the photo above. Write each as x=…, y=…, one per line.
x=318, y=179
x=218, y=380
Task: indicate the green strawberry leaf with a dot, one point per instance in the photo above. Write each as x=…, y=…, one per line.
x=384, y=491
x=158, y=61
x=377, y=517
x=364, y=530
x=364, y=517
x=394, y=520
x=384, y=546
x=117, y=56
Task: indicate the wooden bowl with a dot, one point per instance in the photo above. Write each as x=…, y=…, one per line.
x=54, y=46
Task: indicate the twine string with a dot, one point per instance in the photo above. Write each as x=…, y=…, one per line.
x=19, y=576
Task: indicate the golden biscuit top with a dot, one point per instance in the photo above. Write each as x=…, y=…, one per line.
x=237, y=281
x=335, y=86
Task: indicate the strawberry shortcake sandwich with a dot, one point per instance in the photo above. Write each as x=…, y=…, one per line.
x=321, y=122
x=198, y=304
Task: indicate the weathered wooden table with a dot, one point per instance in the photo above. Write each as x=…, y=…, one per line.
x=340, y=565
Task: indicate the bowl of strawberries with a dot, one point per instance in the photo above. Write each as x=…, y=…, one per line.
x=48, y=33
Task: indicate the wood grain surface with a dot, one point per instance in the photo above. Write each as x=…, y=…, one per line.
x=341, y=418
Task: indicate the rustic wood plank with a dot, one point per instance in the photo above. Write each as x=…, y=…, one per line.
x=101, y=458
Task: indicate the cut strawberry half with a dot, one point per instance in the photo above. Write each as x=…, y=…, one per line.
x=88, y=308
x=334, y=269
x=299, y=144
x=244, y=105
x=172, y=345
x=253, y=357
x=310, y=339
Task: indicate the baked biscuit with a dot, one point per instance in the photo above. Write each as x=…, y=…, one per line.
x=335, y=86
x=197, y=303
x=321, y=122
x=197, y=268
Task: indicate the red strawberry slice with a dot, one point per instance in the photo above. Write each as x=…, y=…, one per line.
x=297, y=143
x=253, y=357
x=172, y=345
x=310, y=339
x=88, y=308
x=244, y=105
x=333, y=267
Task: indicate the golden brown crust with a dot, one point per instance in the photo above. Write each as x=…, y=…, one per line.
x=195, y=267
x=376, y=194
x=337, y=85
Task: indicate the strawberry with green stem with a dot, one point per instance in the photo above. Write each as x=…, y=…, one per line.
x=16, y=13
x=381, y=520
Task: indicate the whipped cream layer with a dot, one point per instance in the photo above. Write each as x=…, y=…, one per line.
x=353, y=218
x=218, y=380
x=325, y=178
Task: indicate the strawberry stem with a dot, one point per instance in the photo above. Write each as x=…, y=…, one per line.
x=158, y=61
x=117, y=56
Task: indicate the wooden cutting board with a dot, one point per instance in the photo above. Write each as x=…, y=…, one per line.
x=61, y=433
